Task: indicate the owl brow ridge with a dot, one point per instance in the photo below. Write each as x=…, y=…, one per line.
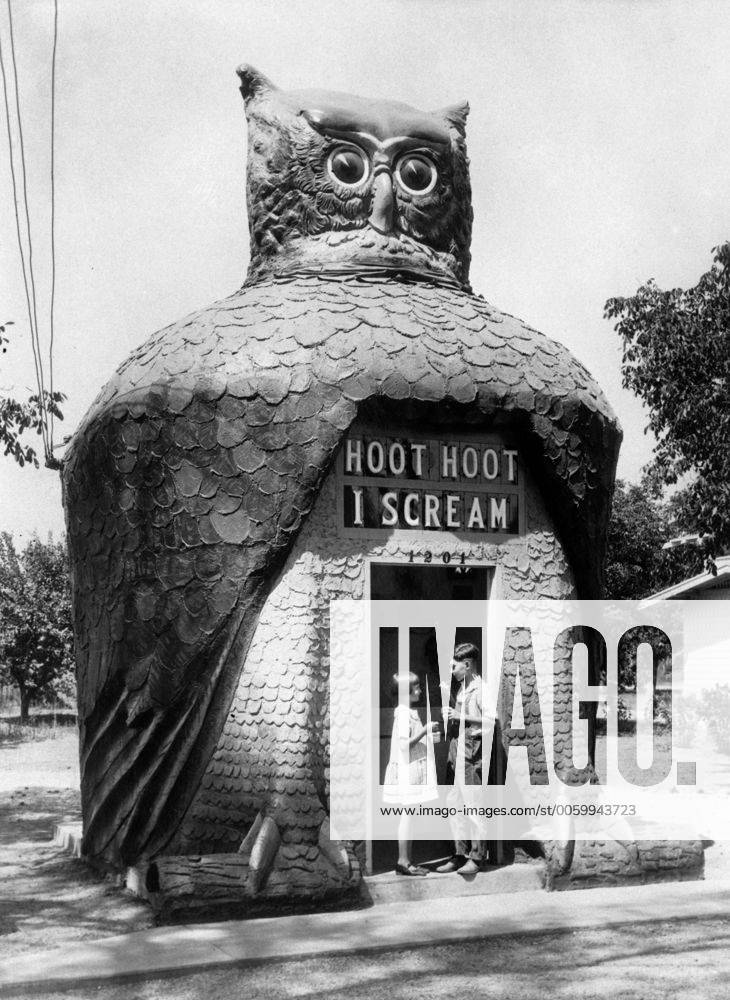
x=396, y=140
x=352, y=134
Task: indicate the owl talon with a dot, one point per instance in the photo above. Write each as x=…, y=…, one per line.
x=333, y=851
x=263, y=851
x=250, y=839
x=272, y=871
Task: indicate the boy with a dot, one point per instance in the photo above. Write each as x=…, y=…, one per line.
x=465, y=728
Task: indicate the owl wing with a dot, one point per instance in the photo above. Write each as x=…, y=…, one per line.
x=183, y=498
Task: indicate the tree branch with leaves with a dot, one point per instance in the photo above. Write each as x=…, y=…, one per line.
x=676, y=358
x=18, y=417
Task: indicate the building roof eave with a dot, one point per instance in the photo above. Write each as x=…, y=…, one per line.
x=695, y=583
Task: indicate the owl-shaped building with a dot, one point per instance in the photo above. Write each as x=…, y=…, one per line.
x=230, y=481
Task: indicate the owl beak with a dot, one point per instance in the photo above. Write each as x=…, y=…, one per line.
x=381, y=213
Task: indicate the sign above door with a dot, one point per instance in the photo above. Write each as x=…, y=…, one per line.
x=459, y=484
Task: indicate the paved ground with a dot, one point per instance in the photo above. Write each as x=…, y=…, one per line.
x=687, y=960
x=395, y=925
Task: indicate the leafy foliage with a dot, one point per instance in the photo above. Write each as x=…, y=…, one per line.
x=17, y=417
x=36, y=637
x=636, y=565
x=676, y=358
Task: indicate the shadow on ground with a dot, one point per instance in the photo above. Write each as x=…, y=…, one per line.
x=47, y=898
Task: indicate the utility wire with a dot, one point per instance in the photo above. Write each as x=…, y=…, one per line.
x=34, y=298
x=20, y=192
x=53, y=211
x=17, y=213
x=21, y=146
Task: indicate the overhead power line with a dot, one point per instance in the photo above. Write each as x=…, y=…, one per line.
x=53, y=207
x=18, y=172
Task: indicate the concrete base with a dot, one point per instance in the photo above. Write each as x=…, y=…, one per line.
x=68, y=836
x=376, y=889
x=392, y=888
x=621, y=870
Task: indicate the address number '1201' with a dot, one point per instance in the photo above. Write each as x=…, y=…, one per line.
x=445, y=557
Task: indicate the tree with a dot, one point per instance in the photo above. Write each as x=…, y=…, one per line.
x=636, y=564
x=676, y=358
x=17, y=417
x=36, y=636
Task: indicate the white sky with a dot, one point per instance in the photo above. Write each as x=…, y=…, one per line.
x=598, y=142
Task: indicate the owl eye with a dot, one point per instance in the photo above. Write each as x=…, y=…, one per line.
x=416, y=174
x=347, y=166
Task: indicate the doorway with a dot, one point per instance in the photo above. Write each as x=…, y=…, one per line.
x=396, y=581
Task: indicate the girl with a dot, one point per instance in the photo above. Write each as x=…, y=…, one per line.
x=411, y=774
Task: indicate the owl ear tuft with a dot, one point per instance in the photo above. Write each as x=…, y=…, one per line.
x=253, y=83
x=456, y=115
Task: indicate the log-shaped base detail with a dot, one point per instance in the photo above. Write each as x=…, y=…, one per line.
x=230, y=881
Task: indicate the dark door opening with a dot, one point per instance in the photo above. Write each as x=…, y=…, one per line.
x=390, y=582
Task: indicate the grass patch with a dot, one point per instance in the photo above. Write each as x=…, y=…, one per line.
x=42, y=725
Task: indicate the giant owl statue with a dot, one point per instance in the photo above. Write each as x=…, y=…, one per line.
x=200, y=491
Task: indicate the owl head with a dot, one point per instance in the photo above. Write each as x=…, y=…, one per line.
x=342, y=184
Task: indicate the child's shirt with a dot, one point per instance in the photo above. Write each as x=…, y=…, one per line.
x=405, y=723
x=411, y=772
x=469, y=700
